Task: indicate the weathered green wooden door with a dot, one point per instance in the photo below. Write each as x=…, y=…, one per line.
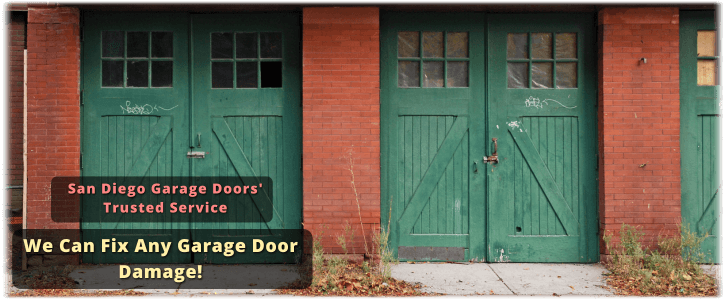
x=135, y=119
x=238, y=115
x=246, y=117
x=700, y=120
x=432, y=115
x=542, y=101
x=447, y=198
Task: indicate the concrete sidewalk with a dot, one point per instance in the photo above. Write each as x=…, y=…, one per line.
x=441, y=278
x=505, y=278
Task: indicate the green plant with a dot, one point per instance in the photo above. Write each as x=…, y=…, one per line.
x=335, y=265
x=670, y=269
x=348, y=235
x=691, y=244
x=366, y=267
x=318, y=260
x=382, y=249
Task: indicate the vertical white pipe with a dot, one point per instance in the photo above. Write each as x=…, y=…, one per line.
x=25, y=151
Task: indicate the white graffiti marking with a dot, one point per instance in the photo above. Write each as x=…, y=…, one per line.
x=513, y=124
x=145, y=109
x=536, y=103
x=532, y=102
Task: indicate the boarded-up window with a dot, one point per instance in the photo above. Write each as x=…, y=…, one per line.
x=707, y=59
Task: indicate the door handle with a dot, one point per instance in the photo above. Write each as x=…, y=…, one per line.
x=199, y=140
x=476, y=169
x=495, y=157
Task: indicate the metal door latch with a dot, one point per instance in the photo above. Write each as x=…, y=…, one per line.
x=195, y=154
x=494, y=158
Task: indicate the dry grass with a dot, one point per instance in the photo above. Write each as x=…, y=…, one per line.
x=55, y=282
x=669, y=270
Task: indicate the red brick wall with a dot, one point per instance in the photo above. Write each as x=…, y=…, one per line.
x=639, y=121
x=16, y=44
x=341, y=123
x=54, y=133
x=15, y=38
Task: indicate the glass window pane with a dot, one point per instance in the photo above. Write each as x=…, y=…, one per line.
x=271, y=45
x=137, y=73
x=222, y=75
x=517, y=45
x=162, y=73
x=542, y=45
x=247, y=46
x=138, y=44
x=706, y=43
x=408, y=43
x=408, y=74
x=433, y=74
x=457, y=44
x=458, y=74
x=222, y=45
x=707, y=72
x=162, y=44
x=247, y=74
x=113, y=43
x=566, y=75
x=542, y=75
x=433, y=44
x=566, y=44
x=271, y=74
x=112, y=73
x=518, y=76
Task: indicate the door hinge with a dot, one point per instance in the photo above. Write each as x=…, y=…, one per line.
x=81, y=158
x=82, y=102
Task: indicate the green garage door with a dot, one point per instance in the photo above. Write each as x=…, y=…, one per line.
x=143, y=114
x=700, y=128
x=460, y=89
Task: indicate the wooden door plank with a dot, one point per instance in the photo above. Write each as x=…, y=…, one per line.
x=708, y=219
x=151, y=148
x=433, y=174
x=546, y=181
x=242, y=165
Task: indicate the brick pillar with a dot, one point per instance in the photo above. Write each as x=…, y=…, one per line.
x=639, y=121
x=341, y=127
x=54, y=133
x=15, y=37
x=15, y=33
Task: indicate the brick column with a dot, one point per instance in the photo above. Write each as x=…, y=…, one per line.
x=54, y=132
x=16, y=45
x=14, y=91
x=639, y=121
x=341, y=128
